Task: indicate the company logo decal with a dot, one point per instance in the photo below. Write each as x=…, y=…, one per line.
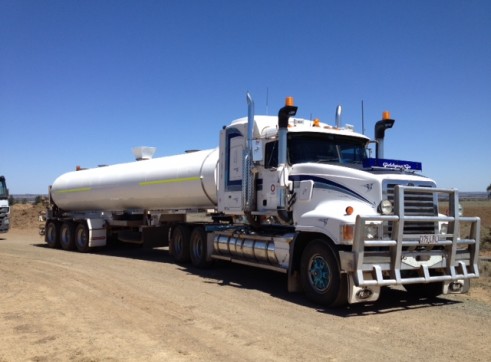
x=392, y=164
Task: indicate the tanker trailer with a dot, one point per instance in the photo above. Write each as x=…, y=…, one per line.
x=89, y=204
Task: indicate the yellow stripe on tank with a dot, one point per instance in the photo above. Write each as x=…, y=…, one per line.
x=169, y=181
x=80, y=189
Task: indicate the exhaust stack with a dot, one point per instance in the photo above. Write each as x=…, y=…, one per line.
x=338, y=116
x=248, y=180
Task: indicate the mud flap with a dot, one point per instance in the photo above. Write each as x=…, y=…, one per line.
x=97, y=232
x=294, y=284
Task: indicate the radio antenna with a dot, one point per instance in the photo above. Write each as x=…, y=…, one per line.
x=362, y=118
x=267, y=101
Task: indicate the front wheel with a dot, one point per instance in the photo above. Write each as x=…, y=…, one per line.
x=319, y=273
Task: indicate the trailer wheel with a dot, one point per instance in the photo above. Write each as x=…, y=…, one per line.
x=179, y=244
x=319, y=273
x=51, y=235
x=67, y=241
x=198, y=247
x=82, y=237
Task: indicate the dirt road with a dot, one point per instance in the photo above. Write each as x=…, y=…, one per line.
x=129, y=303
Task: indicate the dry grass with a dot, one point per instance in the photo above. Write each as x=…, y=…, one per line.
x=482, y=209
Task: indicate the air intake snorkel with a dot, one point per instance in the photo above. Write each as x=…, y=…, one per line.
x=289, y=110
x=385, y=123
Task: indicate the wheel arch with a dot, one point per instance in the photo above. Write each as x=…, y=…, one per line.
x=300, y=243
x=297, y=248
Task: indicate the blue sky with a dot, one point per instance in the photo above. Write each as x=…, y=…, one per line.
x=82, y=82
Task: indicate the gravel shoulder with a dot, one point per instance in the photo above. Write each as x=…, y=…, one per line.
x=129, y=303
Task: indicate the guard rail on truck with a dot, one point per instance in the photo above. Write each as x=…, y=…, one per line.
x=408, y=258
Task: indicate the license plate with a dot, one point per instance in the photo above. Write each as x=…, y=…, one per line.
x=428, y=239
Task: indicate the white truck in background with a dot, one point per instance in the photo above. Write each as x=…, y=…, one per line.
x=4, y=206
x=297, y=196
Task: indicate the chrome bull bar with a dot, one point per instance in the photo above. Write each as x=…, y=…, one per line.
x=401, y=258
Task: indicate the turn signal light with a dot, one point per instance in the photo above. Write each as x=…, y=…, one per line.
x=347, y=232
x=349, y=210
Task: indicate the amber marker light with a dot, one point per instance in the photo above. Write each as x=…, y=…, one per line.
x=349, y=210
x=289, y=101
x=348, y=232
x=385, y=115
x=316, y=123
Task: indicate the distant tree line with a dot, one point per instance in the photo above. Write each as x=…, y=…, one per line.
x=24, y=200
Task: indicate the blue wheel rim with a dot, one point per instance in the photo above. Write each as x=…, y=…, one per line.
x=319, y=273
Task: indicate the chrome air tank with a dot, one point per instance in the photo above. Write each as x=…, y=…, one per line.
x=176, y=182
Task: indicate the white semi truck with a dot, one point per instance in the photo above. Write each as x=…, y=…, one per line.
x=4, y=206
x=283, y=193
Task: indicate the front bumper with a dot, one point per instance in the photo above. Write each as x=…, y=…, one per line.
x=401, y=258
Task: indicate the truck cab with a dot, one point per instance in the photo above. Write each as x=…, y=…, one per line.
x=343, y=224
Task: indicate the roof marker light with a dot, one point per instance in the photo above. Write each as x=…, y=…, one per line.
x=316, y=123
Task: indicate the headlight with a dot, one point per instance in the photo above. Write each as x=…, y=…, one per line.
x=443, y=228
x=386, y=207
x=371, y=231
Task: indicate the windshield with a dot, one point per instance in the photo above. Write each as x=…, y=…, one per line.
x=3, y=189
x=325, y=148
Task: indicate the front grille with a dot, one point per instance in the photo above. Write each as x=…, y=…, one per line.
x=415, y=204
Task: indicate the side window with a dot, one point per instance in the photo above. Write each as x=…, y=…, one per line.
x=236, y=151
x=271, y=155
x=234, y=154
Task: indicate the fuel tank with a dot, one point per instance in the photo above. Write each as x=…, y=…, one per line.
x=175, y=182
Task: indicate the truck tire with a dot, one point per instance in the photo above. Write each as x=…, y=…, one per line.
x=198, y=247
x=51, y=234
x=179, y=244
x=82, y=237
x=319, y=274
x=67, y=235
